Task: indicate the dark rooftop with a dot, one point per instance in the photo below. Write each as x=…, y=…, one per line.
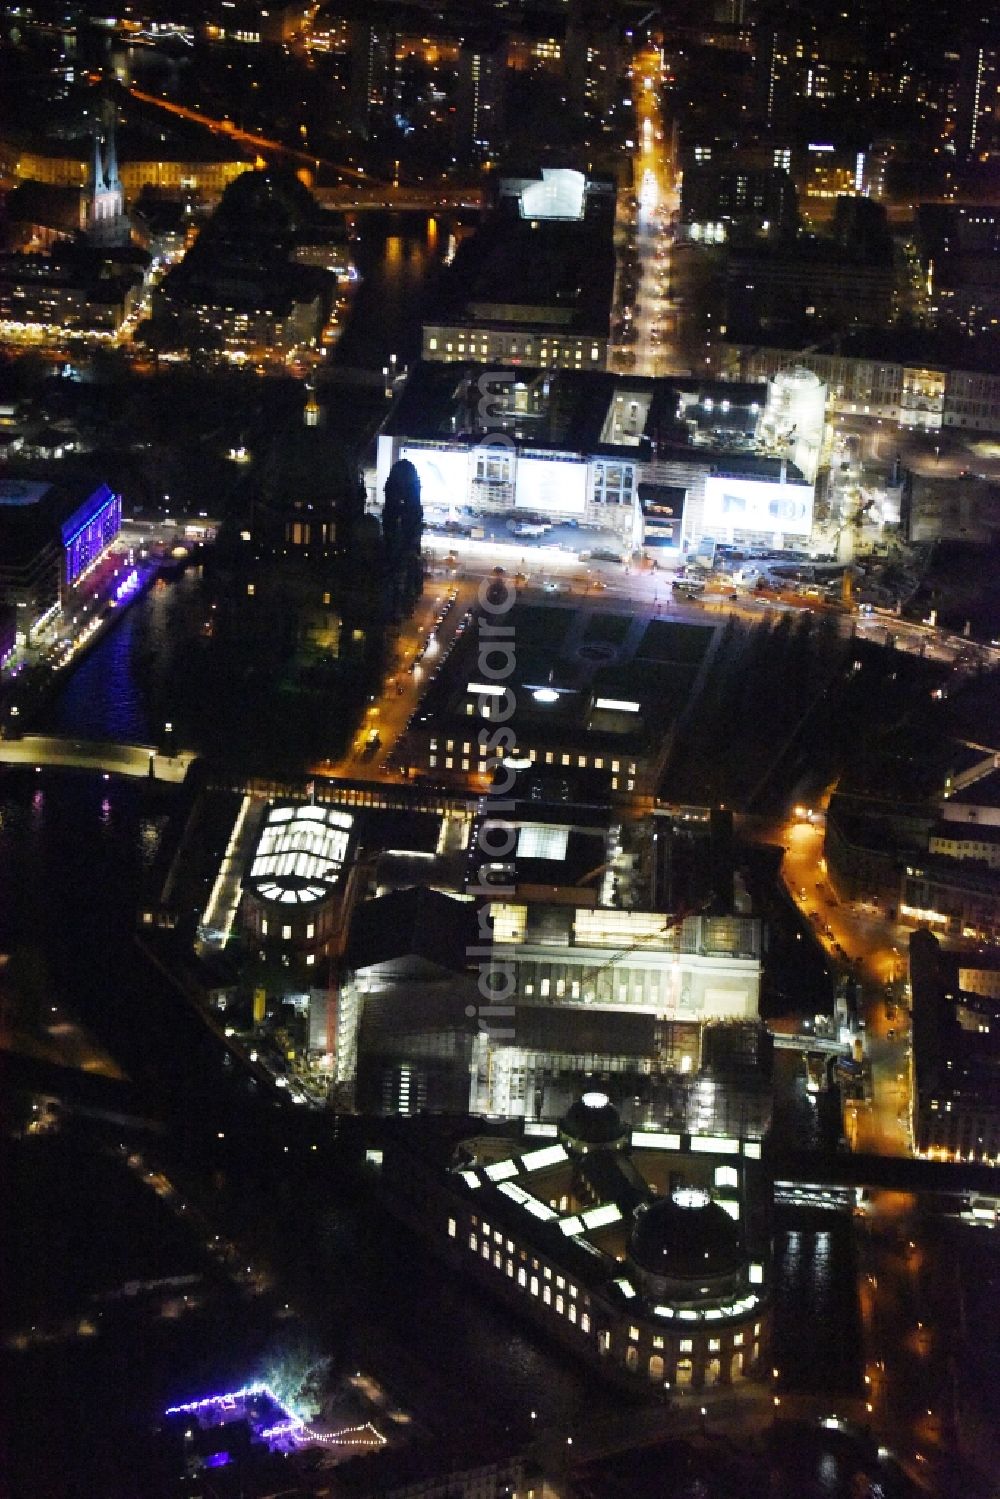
x=415, y=923
x=541, y=272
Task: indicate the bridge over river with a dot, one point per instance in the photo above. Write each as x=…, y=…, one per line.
x=41, y=750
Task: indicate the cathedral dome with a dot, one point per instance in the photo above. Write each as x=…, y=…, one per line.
x=593, y=1121
x=686, y=1236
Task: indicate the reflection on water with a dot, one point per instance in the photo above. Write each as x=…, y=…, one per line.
x=398, y=260
x=116, y=689
x=816, y=1331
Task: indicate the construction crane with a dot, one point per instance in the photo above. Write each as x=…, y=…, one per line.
x=669, y=925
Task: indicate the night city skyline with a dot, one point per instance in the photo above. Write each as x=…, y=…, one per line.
x=500, y=749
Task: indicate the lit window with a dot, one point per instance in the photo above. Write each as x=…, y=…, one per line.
x=738, y=1340
x=633, y=1333
x=585, y=1322
x=452, y=1228
x=534, y=1285
x=311, y=930
x=286, y=933
x=473, y=1243
x=263, y=926
x=714, y=1345
x=686, y=1345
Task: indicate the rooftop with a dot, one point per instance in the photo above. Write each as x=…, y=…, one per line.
x=543, y=257
x=300, y=854
x=678, y=1197
x=585, y=679
x=35, y=513
x=591, y=412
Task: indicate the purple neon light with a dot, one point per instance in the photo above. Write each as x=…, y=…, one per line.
x=127, y=586
x=290, y=1428
x=93, y=514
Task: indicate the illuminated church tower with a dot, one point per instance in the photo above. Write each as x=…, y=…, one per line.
x=107, y=222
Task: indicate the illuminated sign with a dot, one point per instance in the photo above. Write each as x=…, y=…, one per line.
x=754, y=505
x=552, y=485
x=443, y=474
x=662, y=513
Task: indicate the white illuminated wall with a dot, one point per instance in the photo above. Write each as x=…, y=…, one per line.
x=444, y=476
x=753, y=505
x=561, y=194
x=551, y=485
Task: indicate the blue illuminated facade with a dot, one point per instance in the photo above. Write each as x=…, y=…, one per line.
x=89, y=531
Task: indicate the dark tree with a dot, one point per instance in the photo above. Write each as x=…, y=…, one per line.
x=402, y=534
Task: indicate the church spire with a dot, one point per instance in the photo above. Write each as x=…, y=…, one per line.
x=111, y=154
x=97, y=169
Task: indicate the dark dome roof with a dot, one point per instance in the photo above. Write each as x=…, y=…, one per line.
x=593, y=1120
x=686, y=1235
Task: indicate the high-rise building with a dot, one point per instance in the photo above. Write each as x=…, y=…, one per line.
x=372, y=73
x=977, y=104
x=479, y=96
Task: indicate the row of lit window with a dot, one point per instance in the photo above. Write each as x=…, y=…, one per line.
x=582, y=761
x=563, y=1298
x=465, y=764
x=572, y=350
x=286, y=931
x=538, y=1280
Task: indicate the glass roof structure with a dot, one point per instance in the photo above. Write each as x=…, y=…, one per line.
x=300, y=854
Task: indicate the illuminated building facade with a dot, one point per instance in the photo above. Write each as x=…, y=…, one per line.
x=479, y=96
x=107, y=223
x=954, y=1098
x=298, y=887
x=494, y=441
x=24, y=162
x=64, y=296
x=646, y=1254
x=978, y=95
x=51, y=536
x=88, y=533
x=534, y=285
x=598, y=982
